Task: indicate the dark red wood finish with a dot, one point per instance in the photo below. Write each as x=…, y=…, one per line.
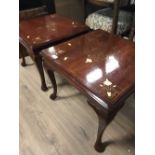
x=41, y=32
x=101, y=66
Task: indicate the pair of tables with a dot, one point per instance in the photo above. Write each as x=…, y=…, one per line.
x=100, y=65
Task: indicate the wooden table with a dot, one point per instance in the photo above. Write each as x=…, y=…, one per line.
x=42, y=32
x=101, y=66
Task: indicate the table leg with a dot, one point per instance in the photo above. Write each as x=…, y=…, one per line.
x=38, y=62
x=102, y=124
x=52, y=79
x=104, y=118
x=23, y=63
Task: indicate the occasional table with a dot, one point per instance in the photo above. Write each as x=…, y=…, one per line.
x=41, y=32
x=101, y=66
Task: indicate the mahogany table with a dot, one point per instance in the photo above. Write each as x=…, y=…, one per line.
x=101, y=66
x=42, y=32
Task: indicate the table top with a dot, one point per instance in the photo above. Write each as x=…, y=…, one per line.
x=45, y=30
x=100, y=64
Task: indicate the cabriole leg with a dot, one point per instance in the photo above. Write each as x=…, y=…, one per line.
x=53, y=81
x=23, y=63
x=38, y=62
x=99, y=146
x=104, y=118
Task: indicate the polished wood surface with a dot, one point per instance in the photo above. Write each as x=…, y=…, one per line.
x=41, y=32
x=94, y=59
x=101, y=66
x=45, y=30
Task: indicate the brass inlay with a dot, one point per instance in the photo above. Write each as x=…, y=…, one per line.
x=37, y=38
x=109, y=87
x=88, y=60
x=28, y=37
x=65, y=58
x=107, y=82
x=69, y=44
